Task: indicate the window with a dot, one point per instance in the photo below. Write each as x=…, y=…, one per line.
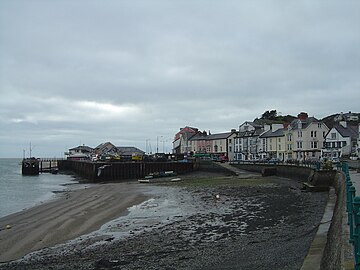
x=230, y=149
x=314, y=145
x=333, y=135
x=319, y=125
x=289, y=137
x=313, y=134
x=299, y=144
x=229, y=140
x=289, y=147
x=299, y=134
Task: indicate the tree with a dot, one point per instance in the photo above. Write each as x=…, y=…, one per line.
x=271, y=115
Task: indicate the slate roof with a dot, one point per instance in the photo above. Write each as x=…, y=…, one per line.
x=349, y=131
x=219, y=136
x=304, y=123
x=198, y=137
x=255, y=125
x=277, y=133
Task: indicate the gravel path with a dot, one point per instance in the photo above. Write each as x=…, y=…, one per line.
x=255, y=223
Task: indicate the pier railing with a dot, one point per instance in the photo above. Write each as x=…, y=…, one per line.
x=49, y=164
x=353, y=210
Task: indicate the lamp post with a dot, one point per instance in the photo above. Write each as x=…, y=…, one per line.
x=157, y=144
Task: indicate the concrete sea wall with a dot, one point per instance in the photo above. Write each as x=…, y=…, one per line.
x=332, y=257
x=288, y=171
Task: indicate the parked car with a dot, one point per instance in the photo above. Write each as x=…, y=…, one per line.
x=274, y=161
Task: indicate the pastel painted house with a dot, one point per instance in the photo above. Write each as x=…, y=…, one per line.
x=274, y=142
x=181, y=143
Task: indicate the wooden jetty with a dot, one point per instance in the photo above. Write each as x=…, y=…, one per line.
x=49, y=165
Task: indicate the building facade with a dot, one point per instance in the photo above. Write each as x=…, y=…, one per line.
x=308, y=136
x=220, y=144
x=181, y=141
x=341, y=141
x=247, y=143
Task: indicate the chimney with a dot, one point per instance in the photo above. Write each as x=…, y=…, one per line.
x=286, y=124
x=302, y=115
x=233, y=130
x=209, y=132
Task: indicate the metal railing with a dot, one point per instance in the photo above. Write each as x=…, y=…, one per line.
x=353, y=210
x=313, y=165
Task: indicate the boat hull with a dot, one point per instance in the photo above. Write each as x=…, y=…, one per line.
x=30, y=166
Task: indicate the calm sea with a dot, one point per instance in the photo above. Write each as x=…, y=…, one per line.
x=18, y=192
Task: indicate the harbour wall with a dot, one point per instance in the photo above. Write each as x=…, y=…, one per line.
x=299, y=173
x=333, y=254
x=114, y=171
x=292, y=172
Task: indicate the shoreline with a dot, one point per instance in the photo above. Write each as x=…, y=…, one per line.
x=187, y=225
x=71, y=214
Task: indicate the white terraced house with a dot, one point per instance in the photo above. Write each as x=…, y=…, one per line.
x=308, y=136
x=341, y=140
x=247, y=143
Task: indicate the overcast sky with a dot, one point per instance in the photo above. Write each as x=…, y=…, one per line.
x=86, y=72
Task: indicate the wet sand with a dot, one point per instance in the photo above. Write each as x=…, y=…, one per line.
x=73, y=214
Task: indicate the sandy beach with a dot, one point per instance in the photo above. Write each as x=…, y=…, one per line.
x=72, y=214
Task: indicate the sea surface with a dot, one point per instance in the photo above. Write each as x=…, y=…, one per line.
x=18, y=192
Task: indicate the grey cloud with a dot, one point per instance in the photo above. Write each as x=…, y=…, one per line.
x=68, y=67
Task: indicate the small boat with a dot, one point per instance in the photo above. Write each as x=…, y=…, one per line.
x=144, y=180
x=30, y=166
